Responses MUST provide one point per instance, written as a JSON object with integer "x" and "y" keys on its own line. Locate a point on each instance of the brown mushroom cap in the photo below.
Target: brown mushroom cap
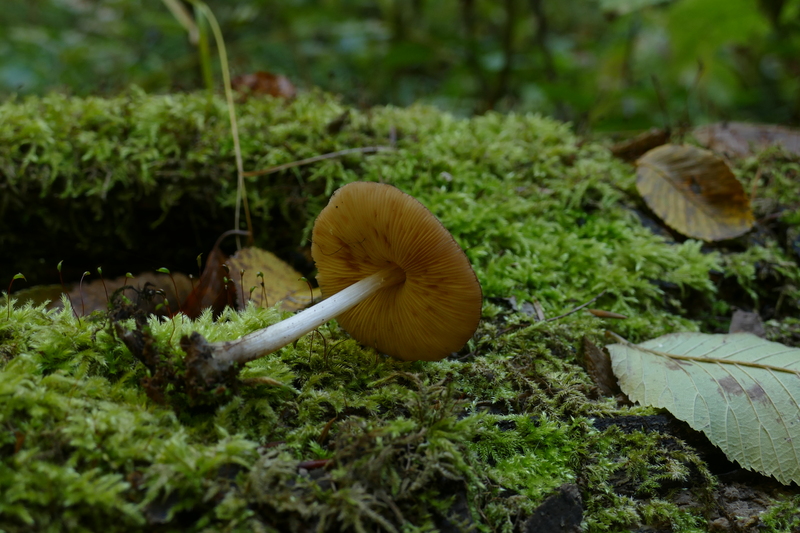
{"x": 367, "y": 227}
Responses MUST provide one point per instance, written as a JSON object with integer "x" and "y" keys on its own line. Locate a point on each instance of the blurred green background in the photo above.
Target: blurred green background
{"x": 605, "y": 65}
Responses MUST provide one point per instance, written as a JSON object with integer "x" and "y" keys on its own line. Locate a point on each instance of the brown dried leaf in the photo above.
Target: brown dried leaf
{"x": 281, "y": 281}
{"x": 631, "y": 149}
{"x": 740, "y": 139}
{"x": 264, "y": 83}
{"x": 694, "y": 192}
{"x": 212, "y": 290}
{"x": 747, "y": 322}
{"x": 598, "y": 365}
{"x": 91, "y": 296}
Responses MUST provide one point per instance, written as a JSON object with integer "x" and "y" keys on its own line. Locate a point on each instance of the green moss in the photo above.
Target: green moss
{"x": 783, "y": 516}
{"x": 474, "y": 442}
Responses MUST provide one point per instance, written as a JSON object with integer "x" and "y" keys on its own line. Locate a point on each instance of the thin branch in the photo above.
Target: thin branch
{"x": 308, "y": 161}
{"x": 577, "y": 308}
{"x": 540, "y": 313}
{"x": 754, "y": 187}
{"x": 662, "y": 101}
{"x": 627, "y": 57}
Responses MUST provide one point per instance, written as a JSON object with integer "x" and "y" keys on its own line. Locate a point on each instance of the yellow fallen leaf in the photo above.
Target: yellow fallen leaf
{"x": 694, "y": 192}
{"x": 281, "y": 281}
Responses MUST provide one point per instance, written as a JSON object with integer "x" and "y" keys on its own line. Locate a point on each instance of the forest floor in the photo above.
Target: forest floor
{"x": 515, "y": 432}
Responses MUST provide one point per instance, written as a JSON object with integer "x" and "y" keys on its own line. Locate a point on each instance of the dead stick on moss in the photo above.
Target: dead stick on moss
{"x": 754, "y": 187}
{"x": 540, "y": 316}
{"x": 308, "y": 161}
{"x": 576, "y": 309}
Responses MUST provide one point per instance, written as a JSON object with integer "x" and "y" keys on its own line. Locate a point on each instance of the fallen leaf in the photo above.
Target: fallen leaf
{"x": 694, "y": 192}
{"x": 94, "y": 292}
{"x": 738, "y": 389}
{"x": 598, "y": 365}
{"x": 212, "y": 290}
{"x": 632, "y": 149}
{"x": 747, "y": 322}
{"x": 740, "y": 139}
{"x": 264, "y": 83}
{"x": 281, "y": 282}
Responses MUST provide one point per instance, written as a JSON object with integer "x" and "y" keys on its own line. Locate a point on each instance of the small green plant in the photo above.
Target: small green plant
{"x": 64, "y": 289}
{"x": 171, "y": 316}
{"x": 100, "y": 273}
{"x": 80, "y": 291}
{"x": 260, "y": 275}
{"x": 241, "y": 285}
{"x": 164, "y": 270}
{"x": 310, "y": 290}
{"x": 225, "y": 281}
{"x": 8, "y": 292}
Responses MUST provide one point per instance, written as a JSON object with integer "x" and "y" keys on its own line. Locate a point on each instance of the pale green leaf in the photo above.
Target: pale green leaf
{"x": 740, "y": 390}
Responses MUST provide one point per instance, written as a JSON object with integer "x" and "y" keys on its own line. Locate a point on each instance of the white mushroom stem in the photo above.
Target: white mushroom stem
{"x": 276, "y": 336}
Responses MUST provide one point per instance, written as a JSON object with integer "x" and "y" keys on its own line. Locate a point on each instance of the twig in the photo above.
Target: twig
{"x": 308, "y": 161}
{"x": 576, "y": 309}
{"x": 662, "y": 101}
{"x": 540, "y": 313}
{"x": 754, "y": 187}
{"x": 778, "y": 214}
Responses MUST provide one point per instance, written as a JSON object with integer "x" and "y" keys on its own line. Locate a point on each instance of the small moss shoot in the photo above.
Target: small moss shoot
{"x": 330, "y": 435}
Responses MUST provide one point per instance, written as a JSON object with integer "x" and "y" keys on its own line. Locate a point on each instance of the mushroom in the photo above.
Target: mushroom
{"x": 393, "y": 277}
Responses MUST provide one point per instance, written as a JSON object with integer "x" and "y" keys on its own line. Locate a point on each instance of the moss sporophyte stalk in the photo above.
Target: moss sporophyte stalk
{"x": 475, "y": 441}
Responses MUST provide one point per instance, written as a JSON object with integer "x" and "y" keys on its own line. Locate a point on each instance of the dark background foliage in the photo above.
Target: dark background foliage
{"x": 610, "y": 65}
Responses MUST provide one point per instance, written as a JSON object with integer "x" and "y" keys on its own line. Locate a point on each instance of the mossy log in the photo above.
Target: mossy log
{"x": 327, "y": 435}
